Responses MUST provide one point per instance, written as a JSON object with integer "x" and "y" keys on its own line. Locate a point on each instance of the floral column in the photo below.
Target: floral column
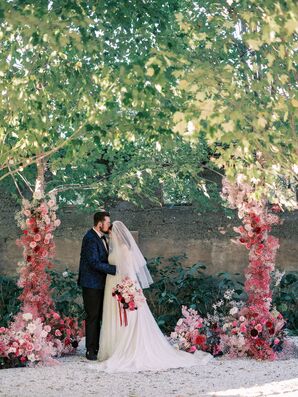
{"x": 257, "y": 324}
{"x": 38, "y": 332}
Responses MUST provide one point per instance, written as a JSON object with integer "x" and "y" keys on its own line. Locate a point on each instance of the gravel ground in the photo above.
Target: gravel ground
{"x": 74, "y": 376}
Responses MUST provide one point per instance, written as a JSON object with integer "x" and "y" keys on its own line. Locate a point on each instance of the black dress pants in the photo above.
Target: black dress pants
{"x": 93, "y": 303}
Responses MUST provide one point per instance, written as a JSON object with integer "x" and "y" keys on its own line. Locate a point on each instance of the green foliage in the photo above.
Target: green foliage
{"x": 102, "y": 90}
{"x": 176, "y": 285}
{"x": 78, "y": 93}
{"x": 66, "y": 294}
{"x": 285, "y": 298}
{"x": 235, "y": 68}
{"x": 9, "y": 303}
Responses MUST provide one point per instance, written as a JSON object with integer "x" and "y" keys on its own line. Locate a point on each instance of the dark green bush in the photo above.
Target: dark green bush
{"x": 285, "y": 297}
{"x": 9, "y": 303}
{"x": 66, "y": 294}
{"x": 174, "y": 285}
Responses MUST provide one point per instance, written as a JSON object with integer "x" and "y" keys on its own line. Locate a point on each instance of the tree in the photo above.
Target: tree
{"x": 77, "y": 95}
{"x": 238, "y": 80}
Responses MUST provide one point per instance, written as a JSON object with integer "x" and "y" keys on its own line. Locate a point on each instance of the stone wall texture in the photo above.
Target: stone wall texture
{"x": 160, "y": 231}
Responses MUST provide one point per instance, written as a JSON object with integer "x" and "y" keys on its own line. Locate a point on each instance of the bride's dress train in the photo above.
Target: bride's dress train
{"x": 141, "y": 345}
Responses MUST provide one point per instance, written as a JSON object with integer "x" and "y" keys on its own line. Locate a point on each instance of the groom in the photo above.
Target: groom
{"x": 94, "y": 267}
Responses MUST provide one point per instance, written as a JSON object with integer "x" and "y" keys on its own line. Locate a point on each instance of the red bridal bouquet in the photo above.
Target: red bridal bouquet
{"x": 128, "y": 296}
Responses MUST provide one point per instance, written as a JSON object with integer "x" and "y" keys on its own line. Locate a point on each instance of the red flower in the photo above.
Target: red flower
{"x": 254, "y": 333}
{"x": 269, "y": 324}
{"x": 200, "y": 340}
{"x": 25, "y": 231}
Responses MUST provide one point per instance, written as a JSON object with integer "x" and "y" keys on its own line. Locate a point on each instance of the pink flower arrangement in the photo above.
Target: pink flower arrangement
{"x": 189, "y": 334}
{"x": 45, "y": 332}
{"x": 128, "y": 296}
{"x": 262, "y": 324}
{"x": 253, "y": 329}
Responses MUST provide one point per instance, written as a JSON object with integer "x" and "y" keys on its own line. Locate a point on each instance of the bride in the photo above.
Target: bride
{"x": 140, "y": 345}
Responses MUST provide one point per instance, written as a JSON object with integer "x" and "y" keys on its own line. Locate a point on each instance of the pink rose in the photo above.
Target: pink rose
{"x": 58, "y": 332}
{"x": 2, "y": 330}
{"x": 192, "y": 349}
{"x": 57, "y": 222}
{"x": 37, "y": 346}
{"x": 259, "y": 327}
{"x": 243, "y": 328}
{"x": 29, "y": 346}
{"x": 51, "y": 203}
{"x": 37, "y": 237}
{"x": 56, "y": 316}
{"x": 33, "y": 244}
{"x": 47, "y": 328}
{"x": 276, "y": 341}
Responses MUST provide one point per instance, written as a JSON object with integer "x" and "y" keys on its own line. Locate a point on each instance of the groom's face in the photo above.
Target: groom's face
{"x": 105, "y": 224}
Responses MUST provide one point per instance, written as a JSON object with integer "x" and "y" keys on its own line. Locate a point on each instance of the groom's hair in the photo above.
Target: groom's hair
{"x": 100, "y": 217}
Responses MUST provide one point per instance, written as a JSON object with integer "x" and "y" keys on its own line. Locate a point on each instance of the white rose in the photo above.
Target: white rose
{"x": 31, "y": 327}
{"x": 234, "y": 311}
{"x": 12, "y": 350}
{"x": 27, "y": 316}
{"x": 65, "y": 274}
{"x": 31, "y": 357}
{"x": 44, "y": 334}
{"x": 180, "y": 321}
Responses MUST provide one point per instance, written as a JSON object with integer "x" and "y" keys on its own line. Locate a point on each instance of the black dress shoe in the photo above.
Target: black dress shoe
{"x": 91, "y": 356}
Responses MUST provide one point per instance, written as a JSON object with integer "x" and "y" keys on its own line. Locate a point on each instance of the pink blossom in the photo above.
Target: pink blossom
{"x": 47, "y": 328}
{"x": 29, "y": 346}
{"x": 57, "y": 222}
{"x": 51, "y": 203}
{"x": 37, "y": 237}
{"x": 58, "y": 333}
{"x": 33, "y": 244}
{"x": 192, "y": 349}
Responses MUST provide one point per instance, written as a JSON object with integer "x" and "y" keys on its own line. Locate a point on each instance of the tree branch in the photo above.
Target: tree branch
{"x": 38, "y": 157}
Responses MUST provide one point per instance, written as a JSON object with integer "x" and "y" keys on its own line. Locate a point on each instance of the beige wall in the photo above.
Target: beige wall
{"x": 160, "y": 232}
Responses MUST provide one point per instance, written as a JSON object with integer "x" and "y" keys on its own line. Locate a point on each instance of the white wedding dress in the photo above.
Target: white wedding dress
{"x": 139, "y": 346}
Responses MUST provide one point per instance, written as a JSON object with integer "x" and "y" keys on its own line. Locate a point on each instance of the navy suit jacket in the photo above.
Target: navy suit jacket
{"x": 94, "y": 265}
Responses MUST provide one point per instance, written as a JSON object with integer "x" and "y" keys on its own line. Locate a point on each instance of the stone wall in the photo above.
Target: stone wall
{"x": 160, "y": 232}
